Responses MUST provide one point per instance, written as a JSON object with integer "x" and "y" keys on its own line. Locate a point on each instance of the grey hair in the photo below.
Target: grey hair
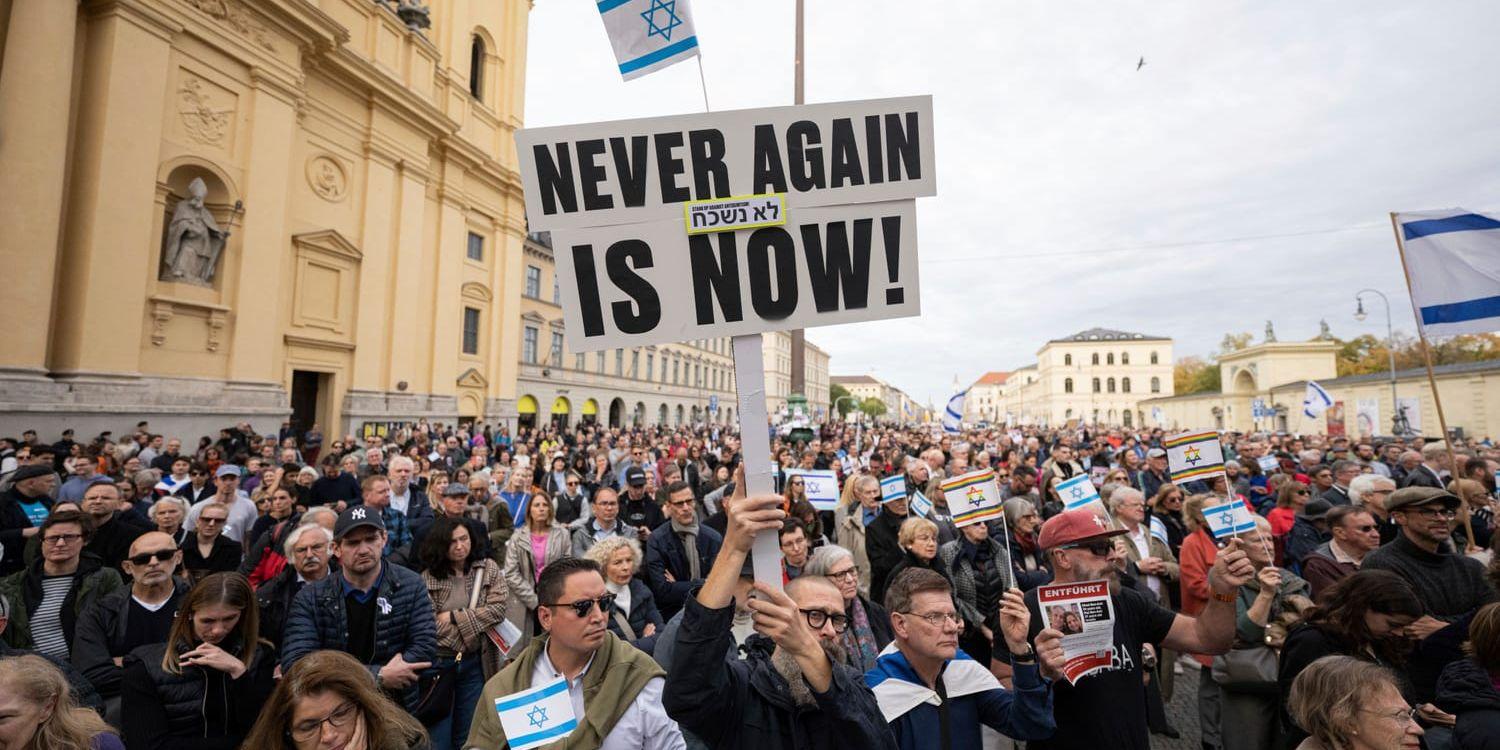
{"x": 1017, "y": 507}
{"x": 312, "y": 514}
{"x": 822, "y": 560}
{"x": 1365, "y": 483}
{"x": 397, "y": 459}
{"x": 179, "y": 502}
{"x": 4, "y": 607}
{"x": 291, "y": 539}
{"x": 1311, "y": 454}
{"x": 1121, "y": 494}
{"x": 147, "y": 477}
{"x": 605, "y": 548}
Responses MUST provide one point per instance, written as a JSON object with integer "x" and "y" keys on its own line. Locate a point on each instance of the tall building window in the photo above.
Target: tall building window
{"x": 650, "y": 366}
{"x": 580, "y": 361}
{"x": 676, "y": 371}
{"x": 1096, "y": 358}
{"x": 557, "y": 339}
{"x": 1096, "y": 385}
{"x": 528, "y": 345}
{"x": 476, "y": 246}
{"x": 476, "y": 68}
{"x": 635, "y": 363}
{"x": 1109, "y": 359}
{"x": 556, "y": 291}
{"x": 533, "y": 282}
{"x": 1156, "y": 385}
{"x": 1110, "y": 385}
{"x": 599, "y": 363}
{"x": 471, "y": 330}
{"x": 619, "y": 361}
{"x": 1125, "y": 385}
{"x": 1067, "y": 385}
{"x": 1067, "y": 360}
{"x": 1124, "y": 358}
{"x": 1153, "y": 358}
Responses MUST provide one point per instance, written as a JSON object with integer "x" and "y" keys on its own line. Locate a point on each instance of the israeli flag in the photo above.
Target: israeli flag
{"x": 648, "y": 35}
{"x": 1229, "y": 519}
{"x": 1453, "y": 263}
{"x": 1316, "y": 401}
{"x": 953, "y": 415}
{"x": 893, "y": 487}
{"x": 1078, "y": 492}
{"x": 536, "y": 717}
{"x": 920, "y": 505}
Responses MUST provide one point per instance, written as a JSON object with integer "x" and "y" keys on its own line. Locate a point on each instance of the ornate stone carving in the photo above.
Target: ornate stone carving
{"x": 194, "y": 242}
{"x": 1270, "y": 333}
{"x": 327, "y": 178}
{"x": 416, "y": 17}
{"x": 216, "y": 320}
{"x": 161, "y": 314}
{"x": 234, "y": 15}
{"x": 202, "y": 117}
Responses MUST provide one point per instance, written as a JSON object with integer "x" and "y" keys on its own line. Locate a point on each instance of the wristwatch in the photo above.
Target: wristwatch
{"x": 1026, "y": 657}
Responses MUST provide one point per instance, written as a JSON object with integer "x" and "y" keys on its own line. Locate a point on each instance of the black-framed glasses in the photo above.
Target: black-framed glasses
{"x": 1447, "y": 513}
{"x": 817, "y": 618}
{"x": 1097, "y": 548}
{"x": 851, "y": 574}
{"x": 59, "y": 539}
{"x": 145, "y": 558}
{"x": 583, "y": 607}
{"x": 310, "y": 728}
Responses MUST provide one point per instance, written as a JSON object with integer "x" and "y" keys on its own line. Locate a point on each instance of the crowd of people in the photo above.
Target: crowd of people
{"x": 398, "y": 590}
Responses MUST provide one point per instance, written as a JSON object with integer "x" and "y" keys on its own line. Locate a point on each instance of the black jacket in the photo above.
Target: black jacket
{"x": 112, "y": 541}
{"x": 186, "y": 492}
{"x": 665, "y": 554}
{"x": 733, "y": 704}
{"x": 883, "y": 550}
{"x": 101, "y": 637}
{"x": 13, "y": 524}
{"x": 223, "y": 557}
{"x": 643, "y": 612}
{"x": 274, "y": 600}
{"x": 83, "y": 693}
{"x": 199, "y": 709}
{"x": 1466, "y": 691}
{"x": 908, "y": 560}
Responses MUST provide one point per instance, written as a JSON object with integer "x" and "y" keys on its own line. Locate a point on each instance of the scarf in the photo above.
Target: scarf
{"x": 859, "y": 639}
{"x": 689, "y": 537}
{"x": 614, "y": 679}
{"x": 1027, "y": 543}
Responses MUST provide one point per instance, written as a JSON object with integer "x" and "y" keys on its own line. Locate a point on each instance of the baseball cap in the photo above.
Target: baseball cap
{"x": 635, "y": 477}
{"x": 30, "y": 471}
{"x": 1414, "y": 496}
{"x": 227, "y": 470}
{"x": 455, "y": 489}
{"x": 1072, "y": 526}
{"x": 1156, "y": 453}
{"x": 355, "y": 517}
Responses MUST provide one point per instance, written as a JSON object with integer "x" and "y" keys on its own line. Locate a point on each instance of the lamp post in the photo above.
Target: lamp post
{"x": 1398, "y": 420}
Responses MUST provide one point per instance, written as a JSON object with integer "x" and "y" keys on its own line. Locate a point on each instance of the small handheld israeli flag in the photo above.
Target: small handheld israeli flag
{"x": 1229, "y": 519}
{"x": 920, "y": 505}
{"x": 648, "y": 35}
{"x": 536, "y": 717}
{"x": 893, "y": 487}
{"x": 1077, "y": 492}
{"x": 1316, "y": 401}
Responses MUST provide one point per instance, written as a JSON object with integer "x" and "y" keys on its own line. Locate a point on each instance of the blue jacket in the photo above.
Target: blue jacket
{"x": 664, "y": 553}
{"x": 975, "y": 697}
{"x": 408, "y": 626}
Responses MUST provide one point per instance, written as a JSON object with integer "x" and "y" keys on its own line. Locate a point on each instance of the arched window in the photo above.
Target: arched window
{"x": 1096, "y": 385}
{"x": 1156, "y": 385}
{"x": 1124, "y": 358}
{"x": 1111, "y": 385}
{"x": 1067, "y": 385}
{"x": 1125, "y": 417}
{"x": 1067, "y": 360}
{"x": 476, "y": 67}
{"x": 1153, "y": 358}
{"x": 1109, "y": 358}
{"x": 1125, "y": 385}
{"x": 1096, "y": 358}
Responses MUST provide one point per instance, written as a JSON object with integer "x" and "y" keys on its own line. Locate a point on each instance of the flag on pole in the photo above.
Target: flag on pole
{"x": 1231, "y": 518}
{"x": 973, "y": 497}
{"x": 1452, "y": 261}
{"x": 1192, "y": 456}
{"x": 1316, "y": 401}
{"x": 953, "y": 415}
{"x": 536, "y": 717}
{"x": 1078, "y": 492}
{"x": 648, "y": 35}
{"x": 892, "y": 488}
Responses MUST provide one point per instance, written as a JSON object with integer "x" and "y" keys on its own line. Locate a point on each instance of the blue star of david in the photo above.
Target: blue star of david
{"x": 655, "y": 29}
{"x": 537, "y": 715}
{"x": 1227, "y": 519}
{"x": 1077, "y": 493}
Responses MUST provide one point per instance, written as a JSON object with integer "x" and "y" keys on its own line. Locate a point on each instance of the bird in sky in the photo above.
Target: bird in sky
{"x": 1140, "y": 64}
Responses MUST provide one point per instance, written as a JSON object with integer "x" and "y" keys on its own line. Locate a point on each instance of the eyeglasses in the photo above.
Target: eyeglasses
{"x": 309, "y": 729}
{"x": 851, "y": 574}
{"x": 145, "y": 558}
{"x": 195, "y": 473}
{"x": 1365, "y": 529}
{"x": 583, "y": 607}
{"x": 1100, "y": 548}
{"x": 1403, "y": 717}
{"x": 938, "y": 619}
{"x": 1447, "y": 513}
{"x": 817, "y": 618}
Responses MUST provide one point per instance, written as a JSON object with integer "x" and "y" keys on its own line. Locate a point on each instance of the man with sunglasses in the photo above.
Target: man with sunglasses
{"x": 127, "y": 618}
{"x": 1107, "y": 708}
{"x": 615, "y": 688}
{"x": 1355, "y": 535}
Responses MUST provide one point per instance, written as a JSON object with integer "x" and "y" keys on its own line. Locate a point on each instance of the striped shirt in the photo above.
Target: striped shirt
{"x": 46, "y": 625}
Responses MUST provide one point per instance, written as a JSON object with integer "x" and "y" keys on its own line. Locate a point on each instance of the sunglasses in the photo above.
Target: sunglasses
{"x": 145, "y": 558}
{"x": 583, "y": 607}
{"x": 1100, "y": 548}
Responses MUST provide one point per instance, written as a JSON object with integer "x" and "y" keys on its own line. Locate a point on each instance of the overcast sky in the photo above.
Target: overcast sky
{"x": 1244, "y": 174}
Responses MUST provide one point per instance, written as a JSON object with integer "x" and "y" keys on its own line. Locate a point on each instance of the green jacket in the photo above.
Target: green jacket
{"x": 23, "y": 589}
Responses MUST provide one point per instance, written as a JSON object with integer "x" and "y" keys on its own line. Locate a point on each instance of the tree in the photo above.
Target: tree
{"x": 872, "y": 407}
{"x": 1195, "y": 375}
{"x": 1234, "y": 342}
{"x": 1367, "y": 354}
{"x": 836, "y": 392}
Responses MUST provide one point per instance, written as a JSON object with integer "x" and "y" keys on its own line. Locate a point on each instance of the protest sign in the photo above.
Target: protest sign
{"x": 1194, "y": 456}
{"x": 1229, "y": 519}
{"x": 972, "y": 497}
{"x": 537, "y": 717}
{"x": 821, "y": 486}
{"x": 1083, "y": 613}
{"x": 920, "y": 505}
{"x": 1078, "y": 492}
{"x": 1268, "y": 464}
{"x": 892, "y": 488}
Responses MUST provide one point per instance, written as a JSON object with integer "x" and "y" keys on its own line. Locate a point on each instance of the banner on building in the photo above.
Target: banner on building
{"x": 1335, "y": 416}
{"x": 1411, "y": 408}
{"x": 1367, "y": 416}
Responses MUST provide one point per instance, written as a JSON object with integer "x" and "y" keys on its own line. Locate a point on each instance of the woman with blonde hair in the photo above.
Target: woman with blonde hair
{"x": 329, "y": 700}
{"x": 1346, "y": 703}
{"x": 859, "y": 506}
{"x": 37, "y": 710}
{"x": 634, "y": 616}
{"x": 538, "y": 540}
{"x": 203, "y": 687}
{"x": 918, "y": 539}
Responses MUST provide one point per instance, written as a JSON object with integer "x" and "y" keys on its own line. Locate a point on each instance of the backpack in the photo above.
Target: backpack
{"x": 272, "y": 562}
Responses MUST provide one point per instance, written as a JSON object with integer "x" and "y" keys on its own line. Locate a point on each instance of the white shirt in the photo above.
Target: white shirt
{"x": 242, "y": 515}
{"x": 1141, "y": 538}
{"x": 643, "y": 726}
{"x": 400, "y": 503}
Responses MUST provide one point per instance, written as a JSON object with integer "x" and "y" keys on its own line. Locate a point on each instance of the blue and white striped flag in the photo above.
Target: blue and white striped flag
{"x": 648, "y": 35}
{"x": 953, "y": 415}
{"x": 1316, "y": 401}
{"x": 1078, "y": 492}
{"x": 1453, "y": 264}
{"x": 536, "y": 717}
{"x": 920, "y": 505}
{"x": 1229, "y": 519}
{"x": 893, "y": 487}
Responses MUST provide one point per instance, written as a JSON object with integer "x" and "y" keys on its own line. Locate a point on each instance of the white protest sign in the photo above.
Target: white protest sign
{"x": 1085, "y": 616}
{"x": 821, "y": 486}
{"x": 1268, "y": 464}
{"x": 632, "y": 171}
{"x": 652, "y": 283}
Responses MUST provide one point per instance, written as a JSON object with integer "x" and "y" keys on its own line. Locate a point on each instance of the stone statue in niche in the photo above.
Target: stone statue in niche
{"x": 194, "y": 242}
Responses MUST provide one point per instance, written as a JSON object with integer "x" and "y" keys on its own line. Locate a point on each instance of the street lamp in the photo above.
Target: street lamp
{"x": 1398, "y": 420}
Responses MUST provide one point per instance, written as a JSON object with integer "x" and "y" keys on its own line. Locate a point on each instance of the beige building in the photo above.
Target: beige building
{"x": 668, "y": 384}
{"x": 776, "y": 349}
{"x": 985, "y": 398}
{"x": 899, "y": 406}
{"x": 1098, "y": 376}
{"x": 225, "y": 210}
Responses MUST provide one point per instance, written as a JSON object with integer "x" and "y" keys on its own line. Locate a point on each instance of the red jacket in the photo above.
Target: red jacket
{"x": 1195, "y": 558}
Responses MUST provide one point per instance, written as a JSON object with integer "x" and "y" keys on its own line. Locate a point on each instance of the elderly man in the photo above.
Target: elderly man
{"x": 1151, "y": 555}
{"x": 1369, "y": 492}
{"x": 307, "y": 551}
{"x": 1434, "y": 469}
{"x": 406, "y": 498}
{"x": 1151, "y": 478}
{"x": 1354, "y": 536}
{"x": 164, "y": 460}
{"x": 242, "y": 511}
{"x": 605, "y": 522}
{"x": 114, "y": 532}
{"x": 23, "y": 508}
{"x": 1343, "y": 473}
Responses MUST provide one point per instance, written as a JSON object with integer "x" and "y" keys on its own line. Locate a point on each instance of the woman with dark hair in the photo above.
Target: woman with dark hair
{"x": 1364, "y": 616}
{"x": 202, "y": 689}
{"x": 1289, "y": 501}
{"x": 1166, "y": 507}
{"x": 328, "y": 701}
{"x": 468, "y": 598}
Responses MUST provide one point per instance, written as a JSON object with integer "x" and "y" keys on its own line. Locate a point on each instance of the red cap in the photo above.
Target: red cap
{"x": 1072, "y": 526}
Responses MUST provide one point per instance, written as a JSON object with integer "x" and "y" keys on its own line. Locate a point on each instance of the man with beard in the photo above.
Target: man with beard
{"x": 1107, "y": 708}
{"x": 795, "y": 691}
{"x": 615, "y": 688}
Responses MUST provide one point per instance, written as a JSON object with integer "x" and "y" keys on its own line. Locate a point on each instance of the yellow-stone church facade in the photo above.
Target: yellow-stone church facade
{"x": 242, "y": 210}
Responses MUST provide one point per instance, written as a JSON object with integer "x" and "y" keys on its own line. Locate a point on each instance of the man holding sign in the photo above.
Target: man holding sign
{"x": 1106, "y": 707}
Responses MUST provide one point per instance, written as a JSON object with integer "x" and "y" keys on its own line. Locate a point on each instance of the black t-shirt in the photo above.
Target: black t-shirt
{"x": 142, "y": 626}
{"x": 360, "y": 617}
{"x": 1108, "y": 708}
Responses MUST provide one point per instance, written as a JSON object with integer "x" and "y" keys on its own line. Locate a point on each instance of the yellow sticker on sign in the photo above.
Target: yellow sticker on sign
{"x": 734, "y": 212}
